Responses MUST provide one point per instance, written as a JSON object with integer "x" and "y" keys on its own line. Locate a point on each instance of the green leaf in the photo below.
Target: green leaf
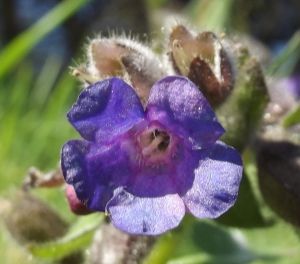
{"x": 54, "y": 111}
{"x": 15, "y": 106}
{"x": 46, "y": 80}
{"x": 206, "y": 259}
{"x": 218, "y": 241}
{"x": 280, "y": 241}
{"x": 284, "y": 64}
{"x": 17, "y": 49}
{"x": 80, "y": 236}
{"x": 215, "y": 244}
{"x": 292, "y": 118}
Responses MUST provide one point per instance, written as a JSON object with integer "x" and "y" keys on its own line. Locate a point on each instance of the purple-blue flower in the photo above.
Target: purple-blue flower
{"x": 146, "y": 168}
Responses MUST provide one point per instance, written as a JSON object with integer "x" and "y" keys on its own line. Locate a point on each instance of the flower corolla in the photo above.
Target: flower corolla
{"x": 145, "y": 168}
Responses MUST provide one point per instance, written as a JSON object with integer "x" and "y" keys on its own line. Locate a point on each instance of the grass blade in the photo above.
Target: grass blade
{"x": 24, "y": 42}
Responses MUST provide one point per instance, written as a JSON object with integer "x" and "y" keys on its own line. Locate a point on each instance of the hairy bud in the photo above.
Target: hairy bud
{"x": 242, "y": 113}
{"x": 30, "y": 220}
{"x": 204, "y": 61}
{"x": 278, "y": 166}
{"x": 124, "y": 58}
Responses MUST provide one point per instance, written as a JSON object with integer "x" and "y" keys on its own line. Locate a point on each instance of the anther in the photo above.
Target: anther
{"x": 147, "y": 151}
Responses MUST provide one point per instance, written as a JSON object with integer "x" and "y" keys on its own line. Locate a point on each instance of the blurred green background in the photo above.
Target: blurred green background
{"x": 39, "y": 40}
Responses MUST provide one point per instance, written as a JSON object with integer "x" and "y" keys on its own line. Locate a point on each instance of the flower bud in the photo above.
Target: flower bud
{"x": 124, "y": 58}
{"x": 242, "y": 113}
{"x": 76, "y": 206}
{"x": 204, "y": 61}
{"x": 30, "y": 220}
{"x": 143, "y": 73}
{"x": 104, "y": 57}
{"x": 279, "y": 180}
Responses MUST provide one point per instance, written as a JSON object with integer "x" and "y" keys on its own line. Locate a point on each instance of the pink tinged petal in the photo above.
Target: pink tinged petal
{"x": 179, "y": 106}
{"x": 76, "y": 206}
{"x": 174, "y": 174}
{"x": 145, "y": 215}
{"x": 105, "y": 110}
{"x": 94, "y": 171}
{"x": 216, "y": 182}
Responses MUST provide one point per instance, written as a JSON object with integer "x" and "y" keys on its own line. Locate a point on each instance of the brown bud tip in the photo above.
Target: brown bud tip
{"x": 76, "y": 206}
{"x": 105, "y": 58}
{"x": 37, "y": 179}
{"x": 204, "y": 61}
{"x": 125, "y": 58}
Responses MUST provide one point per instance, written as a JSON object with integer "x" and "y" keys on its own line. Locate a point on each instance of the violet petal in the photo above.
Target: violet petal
{"x": 94, "y": 171}
{"x": 179, "y": 106}
{"x": 216, "y": 182}
{"x": 75, "y": 205}
{"x": 143, "y": 215}
{"x": 106, "y": 109}
{"x": 173, "y": 175}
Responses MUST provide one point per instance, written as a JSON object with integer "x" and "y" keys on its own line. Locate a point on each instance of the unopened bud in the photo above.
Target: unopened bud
{"x": 242, "y": 112}
{"x": 76, "y": 206}
{"x": 204, "y": 61}
{"x": 105, "y": 56}
{"x": 124, "y": 58}
{"x": 279, "y": 179}
{"x": 30, "y": 220}
{"x": 143, "y": 73}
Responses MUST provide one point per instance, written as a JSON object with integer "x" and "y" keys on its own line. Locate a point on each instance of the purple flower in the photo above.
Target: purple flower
{"x": 146, "y": 168}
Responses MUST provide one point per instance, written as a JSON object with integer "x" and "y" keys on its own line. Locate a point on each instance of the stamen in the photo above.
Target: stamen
{"x": 89, "y": 79}
{"x": 147, "y": 151}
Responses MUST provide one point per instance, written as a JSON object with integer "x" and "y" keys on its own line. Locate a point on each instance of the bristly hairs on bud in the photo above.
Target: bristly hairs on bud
{"x": 202, "y": 58}
{"x": 226, "y": 41}
{"x": 124, "y": 57}
{"x": 168, "y": 25}
{"x": 129, "y": 43}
